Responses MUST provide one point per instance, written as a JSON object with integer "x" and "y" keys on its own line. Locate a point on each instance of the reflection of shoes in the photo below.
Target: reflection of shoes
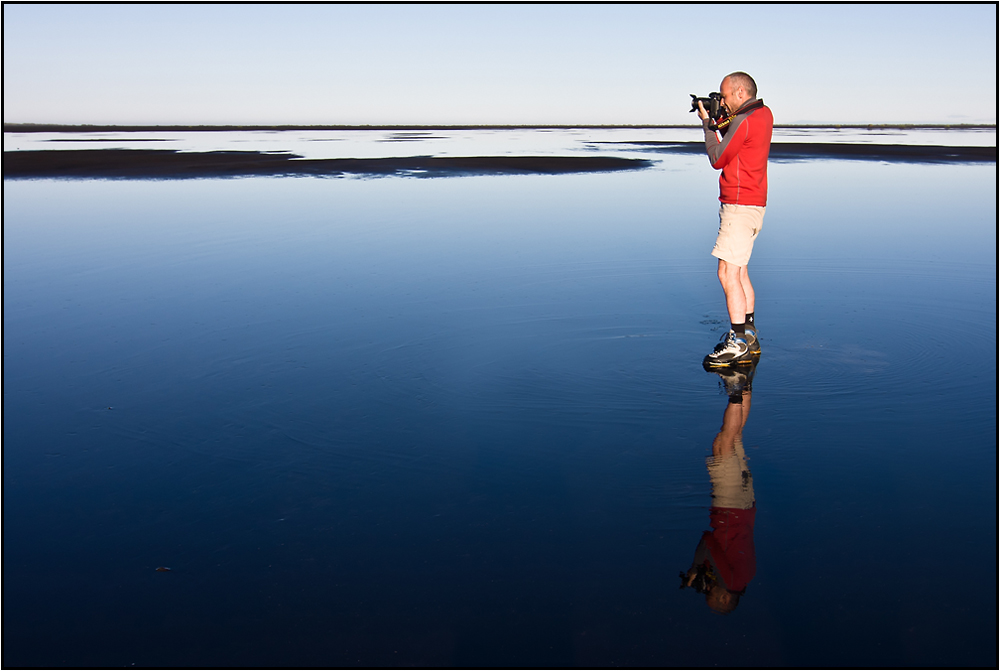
{"x": 745, "y": 365}
{"x": 753, "y": 338}
{"x": 735, "y": 381}
{"x": 733, "y": 349}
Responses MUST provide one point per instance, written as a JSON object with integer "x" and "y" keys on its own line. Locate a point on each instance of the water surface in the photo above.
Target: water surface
{"x": 464, "y": 422}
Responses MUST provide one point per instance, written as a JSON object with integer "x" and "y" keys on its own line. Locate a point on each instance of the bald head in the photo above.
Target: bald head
{"x": 721, "y": 600}
{"x": 738, "y": 79}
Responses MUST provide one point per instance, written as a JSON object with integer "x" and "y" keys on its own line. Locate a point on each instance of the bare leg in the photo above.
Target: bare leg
{"x": 733, "y": 421}
{"x": 747, "y": 289}
{"x": 731, "y": 276}
{"x": 746, "y": 408}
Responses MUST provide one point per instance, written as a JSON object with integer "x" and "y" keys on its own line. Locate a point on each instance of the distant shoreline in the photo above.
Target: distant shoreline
{"x": 94, "y": 128}
{"x": 800, "y": 151}
{"x": 171, "y": 164}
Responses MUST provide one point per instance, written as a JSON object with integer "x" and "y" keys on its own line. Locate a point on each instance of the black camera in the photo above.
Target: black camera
{"x": 703, "y": 582}
{"x": 713, "y": 105}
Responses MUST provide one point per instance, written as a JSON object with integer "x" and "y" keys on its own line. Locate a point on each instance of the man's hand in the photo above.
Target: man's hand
{"x": 701, "y": 111}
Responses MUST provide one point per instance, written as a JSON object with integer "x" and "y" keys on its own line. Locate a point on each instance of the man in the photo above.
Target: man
{"x": 741, "y": 154}
{"x": 725, "y": 560}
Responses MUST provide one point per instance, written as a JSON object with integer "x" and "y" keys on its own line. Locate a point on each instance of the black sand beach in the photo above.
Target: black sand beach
{"x": 795, "y": 151}
{"x": 170, "y": 164}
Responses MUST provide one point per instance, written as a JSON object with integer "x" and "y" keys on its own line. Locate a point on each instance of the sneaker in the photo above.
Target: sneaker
{"x": 733, "y": 349}
{"x": 734, "y": 380}
{"x": 753, "y": 338}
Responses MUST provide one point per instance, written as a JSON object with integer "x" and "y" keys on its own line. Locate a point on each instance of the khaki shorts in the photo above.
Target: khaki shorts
{"x": 738, "y": 228}
{"x": 732, "y": 483}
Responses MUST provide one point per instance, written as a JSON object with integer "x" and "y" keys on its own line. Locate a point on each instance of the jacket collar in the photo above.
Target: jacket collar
{"x": 746, "y": 105}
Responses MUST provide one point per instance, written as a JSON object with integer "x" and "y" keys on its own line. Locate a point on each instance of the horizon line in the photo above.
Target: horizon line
{"x": 58, "y": 127}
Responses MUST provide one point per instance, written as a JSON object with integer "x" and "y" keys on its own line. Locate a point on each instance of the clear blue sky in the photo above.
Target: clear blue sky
{"x": 485, "y": 64}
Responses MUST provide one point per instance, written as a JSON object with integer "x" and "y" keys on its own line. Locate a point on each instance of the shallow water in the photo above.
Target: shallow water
{"x": 463, "y": 421}
{"x": 472, "y": 142}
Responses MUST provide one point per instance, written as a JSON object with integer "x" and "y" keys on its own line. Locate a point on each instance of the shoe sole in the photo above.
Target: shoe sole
{"x": 747, "y": 359}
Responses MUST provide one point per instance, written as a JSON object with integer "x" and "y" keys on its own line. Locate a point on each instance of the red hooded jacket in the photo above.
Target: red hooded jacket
{"x": 742, "y": 156}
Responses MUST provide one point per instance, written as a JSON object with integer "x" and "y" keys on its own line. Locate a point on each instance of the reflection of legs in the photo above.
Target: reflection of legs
{"x": 733, "y": 421}
{"x": 732, "y": 424}
{"x": 746, "y": 407}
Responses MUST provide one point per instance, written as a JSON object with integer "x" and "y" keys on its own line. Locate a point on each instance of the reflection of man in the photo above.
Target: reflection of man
{"x": 724, "y": 562}
{"x": 742, "y": 156}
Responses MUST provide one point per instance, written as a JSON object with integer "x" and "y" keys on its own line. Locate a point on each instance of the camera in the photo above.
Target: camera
{"x": 713, "y": 105}
{"x": 704, "y": 579}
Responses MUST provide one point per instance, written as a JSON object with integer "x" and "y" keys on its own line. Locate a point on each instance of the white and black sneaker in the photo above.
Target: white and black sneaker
{"x": 734, "y": 348}
{"x": 734, "y": 380}
{"x": 753, "y": 338}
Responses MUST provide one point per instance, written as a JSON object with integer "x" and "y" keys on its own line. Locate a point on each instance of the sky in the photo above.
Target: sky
{"x": 493, "y": 64}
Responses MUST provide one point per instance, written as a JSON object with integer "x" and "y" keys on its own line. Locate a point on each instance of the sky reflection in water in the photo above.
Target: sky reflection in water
{"x": 464, "y": 421}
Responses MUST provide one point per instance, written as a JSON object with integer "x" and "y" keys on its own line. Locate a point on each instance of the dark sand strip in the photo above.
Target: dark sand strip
{"x": 109, "y": 128}
{"x": 799, "y": 151}
{"x": 109, "y": 139}
{"x": 170, "y": 164}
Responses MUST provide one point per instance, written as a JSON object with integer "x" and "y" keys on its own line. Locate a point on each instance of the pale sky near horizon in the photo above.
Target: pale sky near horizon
{"x": 493, "y": 64}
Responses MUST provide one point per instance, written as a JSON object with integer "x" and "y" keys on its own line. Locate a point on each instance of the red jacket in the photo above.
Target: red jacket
{"x": 728, "y": 547}
{"x": 742, "y": 156}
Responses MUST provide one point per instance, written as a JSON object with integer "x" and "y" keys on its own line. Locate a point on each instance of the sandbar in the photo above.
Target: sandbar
{"x": 172, "y": 164}
{"x": 800, "y": 151}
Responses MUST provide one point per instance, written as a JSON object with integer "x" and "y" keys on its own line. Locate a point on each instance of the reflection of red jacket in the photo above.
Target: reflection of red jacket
{"x": 729, "y": 546}
{"x": 742, "y": 156}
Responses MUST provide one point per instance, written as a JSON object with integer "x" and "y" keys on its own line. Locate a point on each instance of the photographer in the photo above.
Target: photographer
{"x": 741, "y": 154}
{"x": 725, "y": 560}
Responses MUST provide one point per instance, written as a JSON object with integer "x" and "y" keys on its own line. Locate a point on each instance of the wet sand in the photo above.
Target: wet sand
{"x": 796, "y": 151}
{"x": 170, "y": 164}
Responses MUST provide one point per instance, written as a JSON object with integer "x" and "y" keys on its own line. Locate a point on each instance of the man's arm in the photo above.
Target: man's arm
{"x": 700, "y": 556}
{"x": 720, "y": 153}
{"x": 712, "y": 145}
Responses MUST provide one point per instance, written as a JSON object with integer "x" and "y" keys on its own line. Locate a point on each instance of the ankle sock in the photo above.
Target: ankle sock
{"x": 740, "y": 329}
{"x": 749, "y": 320}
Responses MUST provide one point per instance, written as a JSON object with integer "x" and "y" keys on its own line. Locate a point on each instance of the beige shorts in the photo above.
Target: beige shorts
{"x": 732, "y": 483}
{"x": 738, "y": 228}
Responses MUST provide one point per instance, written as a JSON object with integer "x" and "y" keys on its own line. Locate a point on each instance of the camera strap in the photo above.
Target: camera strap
{"x": 723, "y": 123}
